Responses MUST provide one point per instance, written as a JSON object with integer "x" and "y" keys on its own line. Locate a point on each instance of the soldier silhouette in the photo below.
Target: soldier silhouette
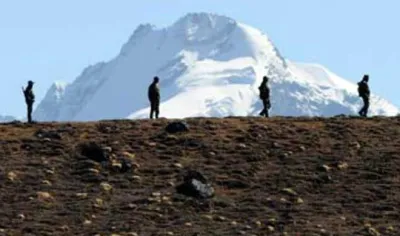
{"x": 364, "y": 93}
{"x": 29, "y": 99}
{"x": 154, "y": 98}
{"x": 265, "y": 97}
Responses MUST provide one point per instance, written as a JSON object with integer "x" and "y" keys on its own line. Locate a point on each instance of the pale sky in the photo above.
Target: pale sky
{"x": 47, "y": 40}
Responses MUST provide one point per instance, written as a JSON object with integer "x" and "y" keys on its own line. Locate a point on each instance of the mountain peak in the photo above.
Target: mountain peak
{"x": 204, "y": 18}
{"x": 210, "y": 66}
{"x": 198, "y": 27}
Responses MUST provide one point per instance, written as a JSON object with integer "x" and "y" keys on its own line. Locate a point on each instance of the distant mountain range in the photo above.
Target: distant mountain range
{"x": 6, "y": 118}
{"x": 209, "y": 65}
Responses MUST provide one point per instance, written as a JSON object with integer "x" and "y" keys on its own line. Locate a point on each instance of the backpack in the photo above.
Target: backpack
{"x": 360, "y": 90}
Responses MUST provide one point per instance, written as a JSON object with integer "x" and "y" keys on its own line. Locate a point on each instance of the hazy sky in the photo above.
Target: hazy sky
{"x": 47, "y": 40}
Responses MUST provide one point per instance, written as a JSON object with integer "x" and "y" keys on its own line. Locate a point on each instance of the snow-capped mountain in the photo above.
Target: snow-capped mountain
{"x": 49, "y": 107}
{"x": 6, "y": 118}
{"x": 209, "y": 65}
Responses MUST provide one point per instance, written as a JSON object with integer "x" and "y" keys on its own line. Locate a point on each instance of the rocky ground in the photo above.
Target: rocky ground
{"x": 279, "y": 176}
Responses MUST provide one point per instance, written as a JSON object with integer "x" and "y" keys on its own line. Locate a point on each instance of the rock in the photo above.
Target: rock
{"x": 258, "y": 223}
{"x": 356, "y": 145}
{"x": 188, "y": 224}
{"x": 12, "y": 176}
{"x": 21, "y": 216}
{"x": 128, "y": 155}
{"x": 106, "y": 186}
{"x": 170, "y": 233}
{"x": 325, "y": 168}
{"x": 299, "y": 201}
{"x": 342, "y": 165}
{"x": 373, "y": 232}
{"x": 247, "y": 227}
{"x": 276, "y": 145}
{"x": 234, "y": 223}
{"x": 64, "y": 228}
{"x": 221, "y": 218}
{"x": 242, "y": 145}
{"x": 156, "y": 194}
{"x": 302, "y": 148}
{"x": 82, "y": 195}
{"x": 122, "y": 165}
{"x": 107, "y": 149}
{"x": 116, "y": 165}
{"x": 93, "y": 151}
{"x": 390, "y": 229}
{"x": 289, "y": 191}
{"x": 47, "y": 134}
{"x": 136, "y": 178}
{"x": 44, "y": 196}
{"x": 178, "y": 165}
{"x": 208, "y": 217}
{"x": 98, "y": 203}
{"x": 177, "y": 127}
{"x": 165, "y": 199}
{"x": 49, "y": 172}
{"x": 195, "y": 185}
{"x": 94, "y": 171}
{"x": 152, "y": 144}
{"x": 46, "y": 182}
{"x": 87, "y": 222}
{"x": 270, "y": 228}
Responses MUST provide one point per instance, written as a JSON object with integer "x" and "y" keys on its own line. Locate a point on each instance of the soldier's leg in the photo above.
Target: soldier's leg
{"x": 29, "y": 112}
{"x": 362, "y": 111}
{"x": 366, "y": 102}
{"x": 157, "y": 109}
{"x": 262, "y": 113}
{"x": 151, "y": 109}
{"x": 265, "y": 104}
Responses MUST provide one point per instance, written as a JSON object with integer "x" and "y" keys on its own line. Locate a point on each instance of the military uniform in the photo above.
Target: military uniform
{"x": 364, "y": 93}
{"x": 29, "y": 100}
{"x": 265, "y": 98}
{"x": 154, "y": 97}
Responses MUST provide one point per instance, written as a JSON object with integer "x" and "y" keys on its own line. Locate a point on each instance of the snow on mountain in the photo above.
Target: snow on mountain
{"x": 4, "y": 119}
{"x": 50, "y": 105}
{"x": 209, "y": 65}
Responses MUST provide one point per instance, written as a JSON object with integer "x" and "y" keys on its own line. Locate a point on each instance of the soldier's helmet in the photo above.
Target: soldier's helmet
{"x": 30, "y": 82}
{"x": 265, "y": 78}
{"x": 365, "y": 78}
{"x": 156, "y": 79}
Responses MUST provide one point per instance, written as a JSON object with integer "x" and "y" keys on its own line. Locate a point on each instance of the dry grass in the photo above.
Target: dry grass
{"x": 299, "y": 176}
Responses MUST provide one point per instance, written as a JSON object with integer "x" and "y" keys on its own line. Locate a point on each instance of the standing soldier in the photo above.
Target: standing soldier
{"x": 364, "y": 93}
{"x": 29, "y": 99}
{"x": 154, "y": 97}
{"x": 264, "y": 96}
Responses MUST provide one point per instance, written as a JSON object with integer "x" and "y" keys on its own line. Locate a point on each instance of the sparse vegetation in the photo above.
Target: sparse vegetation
{"x": 299, "y": 176}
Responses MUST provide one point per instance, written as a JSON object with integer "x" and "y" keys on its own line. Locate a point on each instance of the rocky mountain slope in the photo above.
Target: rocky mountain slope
{"x": 210, "y": 66}
{"x": 279, "y": 176}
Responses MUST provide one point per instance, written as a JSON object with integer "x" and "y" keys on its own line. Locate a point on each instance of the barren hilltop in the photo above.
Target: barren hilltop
{"x": 278, "y": 176}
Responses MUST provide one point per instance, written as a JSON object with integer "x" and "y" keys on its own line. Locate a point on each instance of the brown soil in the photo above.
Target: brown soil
{"x": 279, "y": 176}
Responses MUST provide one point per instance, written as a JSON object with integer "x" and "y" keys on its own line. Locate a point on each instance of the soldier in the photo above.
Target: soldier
{"x": 29, "y": 99}
{"x": 364, "y": 93}
{"x": 154, "y": 97}
{"x": 264, "y": 96}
